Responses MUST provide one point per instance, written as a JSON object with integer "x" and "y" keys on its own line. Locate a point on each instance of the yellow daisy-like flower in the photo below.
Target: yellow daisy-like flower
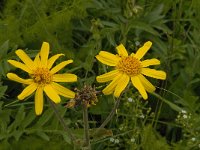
{"x": 43, "y": 77}
{"x": 129, "y": 67}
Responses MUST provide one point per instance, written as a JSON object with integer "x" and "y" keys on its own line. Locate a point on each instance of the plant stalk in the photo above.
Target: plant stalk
{"x": 109, "y": 116}
{"x": 86, "y": 145}
{"x": 66, "y": 128}
{"x": 172, "y": 105}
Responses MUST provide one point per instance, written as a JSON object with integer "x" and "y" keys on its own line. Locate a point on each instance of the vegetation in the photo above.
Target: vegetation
{"x": 80, "y": 29}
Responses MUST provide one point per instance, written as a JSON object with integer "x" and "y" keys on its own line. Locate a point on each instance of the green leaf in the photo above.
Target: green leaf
{"x": 103, "y": 106}
{"x": 65, "y": 137}
{"x": 17, "y": 134}
{"x": 89, "y": 62}
{"x": 55, "y": 124}
{"x": 4, "y": 49}
{"x": 149, "y": 138}
{"x": 5, "y": 145}
{"x": 4, "y": 67}
{"x": 2, "y": 91}
{"x": 4, "y": 118}
{"x": 111, "y": 37}
{"x": 43, "y": 135}
{"x": 90, "y": 51}
{"x": 110, "y": 24}
{"x": 18, "y": 119}
{"x": 135, "y": 24}
{"x": 28, "y": 119}
{"x": 172, "y": 105}
{"x": 45, "y": 117}
{"x": 155, "y": 14}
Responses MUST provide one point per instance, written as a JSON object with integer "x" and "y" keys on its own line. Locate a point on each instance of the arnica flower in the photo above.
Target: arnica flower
{"x": 43, "y": 77}
{"x": 129, "y": 67}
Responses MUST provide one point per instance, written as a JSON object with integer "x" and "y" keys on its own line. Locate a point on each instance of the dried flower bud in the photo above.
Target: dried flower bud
{"x": 85, "y": 96}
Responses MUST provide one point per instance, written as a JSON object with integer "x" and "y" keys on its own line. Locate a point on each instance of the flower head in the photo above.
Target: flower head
{"x": 85, "y": 96}
{"x": 129, "y": 67}
{"x": 43, "y": 77}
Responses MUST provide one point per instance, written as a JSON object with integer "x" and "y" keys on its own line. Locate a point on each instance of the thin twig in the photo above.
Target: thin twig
{"x": 109, "y": 116}
{"x": 66, "y": 128}
{"x": 86, "y": 128}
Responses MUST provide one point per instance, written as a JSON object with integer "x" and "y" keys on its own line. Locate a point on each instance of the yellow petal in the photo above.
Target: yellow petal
{"x": 107, "y": 76}
{"x": 150, "y": 62}
{"x": 154, "y": 73}
{"x": 108, "y": 58}
{"x": 123, "y": 82}
{"x": 20, "y": 65}
{"x": 25, "y": 58}
{"x": 111, "y": 87}
{"x": 44, "y": 53}
{"x": 67, "y": 77}
{"x": 27, "y": 91}
{"x": 51, "y": 93}
{"x": 121, "y": 50}
{"x": 147, "y": 85}
{"x": 37, "y": 61}
{"x": 143, "y": 50}
{"x": 63, "y": 91}
{"x": 138, "y": 85}
{"x": 16, "y": 78}
{"x": 53, "y": 59}
{"x": 60, "y": 66}
{"x": 39, "y": 100}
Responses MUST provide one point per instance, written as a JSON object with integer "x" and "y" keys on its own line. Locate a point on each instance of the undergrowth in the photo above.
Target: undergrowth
{"x": 80, "y": 29}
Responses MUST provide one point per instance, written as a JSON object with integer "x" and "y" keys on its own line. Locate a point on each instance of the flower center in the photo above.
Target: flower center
{"x": 42, "y": 76}
{"x": 129, "y": 65}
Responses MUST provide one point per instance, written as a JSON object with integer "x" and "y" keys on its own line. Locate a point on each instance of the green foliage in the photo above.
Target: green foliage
{"x": 151, "y": 140}
{"x": 31, "y": 22}
{"x": 4, "y": 67}
{"x": 35, "y": 143}
{"x": 80, "y": 29}
{"x": 22, "y": 124}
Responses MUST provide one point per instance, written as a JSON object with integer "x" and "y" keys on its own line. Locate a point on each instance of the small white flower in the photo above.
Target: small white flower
{"x": 133, "y": 140}
{"x": 185, "y": 116}
{"x": 116, "y": 141}
{"x": 130, "y": 99}
{"x": 137, "y": 43}
{"x": 141, "y": 116}
{"x": 112, "y": 139}
{"x": 193, "y": 139}
{"x": 183, "y": 111}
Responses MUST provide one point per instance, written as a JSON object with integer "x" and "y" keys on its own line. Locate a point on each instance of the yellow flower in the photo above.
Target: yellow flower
{"x": 129, "y": 67}
{"x": 43, "y": 77}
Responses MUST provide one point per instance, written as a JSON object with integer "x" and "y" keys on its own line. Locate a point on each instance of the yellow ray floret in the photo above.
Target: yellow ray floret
{"x": 129, "y": 67}
{"x": 43, "y": 77}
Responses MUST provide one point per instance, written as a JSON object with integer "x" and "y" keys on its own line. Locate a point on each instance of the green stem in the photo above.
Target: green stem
{"x": 86, "y": 128}
{"x": 66, "y": 128}
{"x": 172, "y": 105}
{"x": 157, "y": 113}
{"x": 11, "y": 103}
{"x": 109, "y": 116}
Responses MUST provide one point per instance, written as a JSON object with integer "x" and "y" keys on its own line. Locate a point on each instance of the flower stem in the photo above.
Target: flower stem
{"x": 86, "y": 145}
{"x": 109, "y": 117}
{"x": 172, "y": 105}
{"x": 66, "y": 128}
